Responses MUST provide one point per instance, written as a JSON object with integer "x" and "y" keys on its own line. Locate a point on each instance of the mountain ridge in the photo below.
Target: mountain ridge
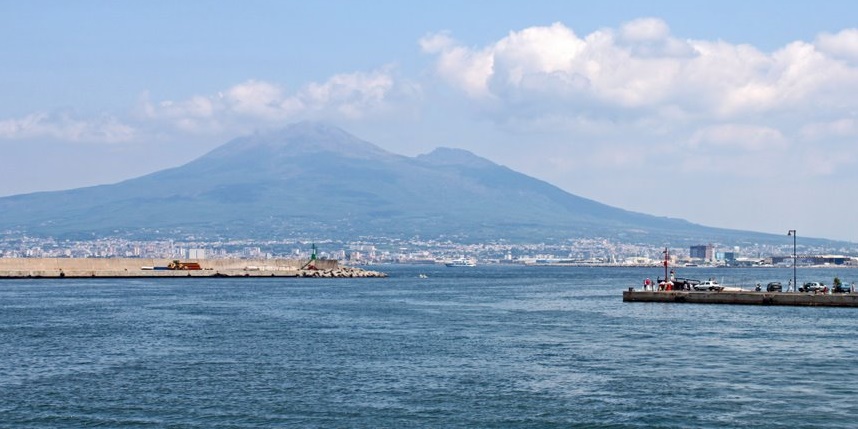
{"x": 316, "y": 179}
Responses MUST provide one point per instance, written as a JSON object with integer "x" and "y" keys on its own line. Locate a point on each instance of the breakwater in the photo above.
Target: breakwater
{"x": 744, "y": 298}
{"x": 19, "y": 268}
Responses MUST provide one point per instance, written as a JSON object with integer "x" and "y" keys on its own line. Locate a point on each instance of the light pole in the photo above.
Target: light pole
{"x": 794, "y": 283}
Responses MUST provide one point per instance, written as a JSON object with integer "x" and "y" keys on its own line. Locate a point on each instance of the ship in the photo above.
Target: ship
{"x": 461, "y": 262}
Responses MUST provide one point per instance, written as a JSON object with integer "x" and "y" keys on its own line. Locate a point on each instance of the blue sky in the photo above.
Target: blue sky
{"x": 729, "y": 114}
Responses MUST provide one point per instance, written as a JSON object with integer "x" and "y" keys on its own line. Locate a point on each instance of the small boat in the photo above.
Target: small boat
{"x": 461, "y": 262}
{"x": 423, "y": 276}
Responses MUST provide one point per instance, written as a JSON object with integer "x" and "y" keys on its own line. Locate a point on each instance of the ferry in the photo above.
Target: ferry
{"x": 461, "y": 262}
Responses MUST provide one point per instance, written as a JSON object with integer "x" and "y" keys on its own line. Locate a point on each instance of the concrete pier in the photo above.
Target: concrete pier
{"x": 744, "y": 298}
{"x": 24, "y": 268}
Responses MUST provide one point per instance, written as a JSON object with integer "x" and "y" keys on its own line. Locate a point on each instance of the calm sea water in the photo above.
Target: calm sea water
{"x": 484, "y": 347}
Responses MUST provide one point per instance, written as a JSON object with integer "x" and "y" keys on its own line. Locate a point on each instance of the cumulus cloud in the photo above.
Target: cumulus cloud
{"x": 348, "y": 95}
{"x": 843, "y": 44}
{"x": 255, "y": 99}
{"x": 679, "y": 97}
{"x": 645, "y": 29}
{"x": 467, "y": 69}
{"x": 352, "y": 95}
{"x": 66, "y": 126}
{"x": 642, "y": 65}
{"x": 236, "y": 109}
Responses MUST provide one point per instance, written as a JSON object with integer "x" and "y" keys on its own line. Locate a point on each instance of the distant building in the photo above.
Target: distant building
{"x": 725, "y": 256}
{"x": 705, "y": 252}
{"x": 196, "y": 253}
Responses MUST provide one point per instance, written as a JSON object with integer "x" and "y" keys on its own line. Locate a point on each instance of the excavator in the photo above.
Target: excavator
{"x": 177, "y": 265}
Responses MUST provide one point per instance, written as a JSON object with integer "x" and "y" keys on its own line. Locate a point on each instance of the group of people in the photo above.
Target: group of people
{"x": 666, "y": 284}
{"x": 649, "y": 285}
{"x": 662, "y": 286}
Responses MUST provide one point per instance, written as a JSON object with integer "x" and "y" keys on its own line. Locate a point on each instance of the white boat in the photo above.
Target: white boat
{"x": 461, "y": 262}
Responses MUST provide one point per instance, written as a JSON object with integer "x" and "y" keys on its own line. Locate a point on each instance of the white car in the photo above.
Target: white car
{"x": 713, "y": 285}
{"x": 708, "y": 285}
{"x": 812, "y": 287}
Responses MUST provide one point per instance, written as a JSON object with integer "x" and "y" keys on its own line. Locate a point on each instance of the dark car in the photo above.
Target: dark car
{"x": 774, "y": 287}
{"x": 841, "y": 288}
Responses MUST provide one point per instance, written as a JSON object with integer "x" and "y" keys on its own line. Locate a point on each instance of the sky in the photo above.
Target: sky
{"x": 730, "y": 114}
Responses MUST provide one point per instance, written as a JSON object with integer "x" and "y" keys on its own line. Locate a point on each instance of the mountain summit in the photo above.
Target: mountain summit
{"x": 316, "y": 180}
{"x": 303, "y": 138}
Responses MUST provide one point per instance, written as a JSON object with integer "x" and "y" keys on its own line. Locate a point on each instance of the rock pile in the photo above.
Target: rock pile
{"x": 341, "y": 272}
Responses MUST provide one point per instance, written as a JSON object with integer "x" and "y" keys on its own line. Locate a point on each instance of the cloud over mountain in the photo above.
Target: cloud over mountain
{"x": 348, "y": 96}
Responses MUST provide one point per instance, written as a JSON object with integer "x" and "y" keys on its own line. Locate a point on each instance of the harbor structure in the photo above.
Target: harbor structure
{"x": 743, "y": 298}
{"x": 24, "y": 268}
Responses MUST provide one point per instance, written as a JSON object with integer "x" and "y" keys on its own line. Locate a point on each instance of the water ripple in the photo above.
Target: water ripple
{"x": 486, "y": 347}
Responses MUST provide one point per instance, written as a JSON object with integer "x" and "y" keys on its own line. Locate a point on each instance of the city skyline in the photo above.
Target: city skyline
{"x": 386, "y": 250}
{"x": 731, "y": 115}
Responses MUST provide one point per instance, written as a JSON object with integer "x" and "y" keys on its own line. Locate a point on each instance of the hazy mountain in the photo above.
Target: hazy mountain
{"x": 315, "y": 180}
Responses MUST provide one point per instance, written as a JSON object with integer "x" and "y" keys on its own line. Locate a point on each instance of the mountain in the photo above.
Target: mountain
{"x": 315, "y": 180}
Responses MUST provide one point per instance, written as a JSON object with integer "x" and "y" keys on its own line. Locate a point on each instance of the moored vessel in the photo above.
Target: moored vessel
{"x": 461, "y": 262}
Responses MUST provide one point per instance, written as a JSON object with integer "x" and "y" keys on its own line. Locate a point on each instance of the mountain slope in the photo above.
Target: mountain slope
{"x": 311, "y": 179}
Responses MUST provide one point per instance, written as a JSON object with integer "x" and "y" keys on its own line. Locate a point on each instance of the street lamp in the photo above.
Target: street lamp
{"x": 792, "y": 233}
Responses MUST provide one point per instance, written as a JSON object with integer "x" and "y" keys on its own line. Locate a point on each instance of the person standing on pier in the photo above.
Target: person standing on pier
{"x": 789, "y": 286}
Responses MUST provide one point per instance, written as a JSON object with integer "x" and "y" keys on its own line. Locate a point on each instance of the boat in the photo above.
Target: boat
{"x": 461, "y": 262}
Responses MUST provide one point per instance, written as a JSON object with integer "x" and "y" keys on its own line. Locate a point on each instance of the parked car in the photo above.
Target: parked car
{"x": 841, "y": 288}
{"x": 714, "y": 286}
{"x": 812, "y": 287}
{"x": 774, "y": 287}
{"x": 707, "y": 285}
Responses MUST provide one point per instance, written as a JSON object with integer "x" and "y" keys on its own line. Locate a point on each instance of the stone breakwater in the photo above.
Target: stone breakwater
{"x": 341, "y": 273}
{"x": 22, "y": 268}
{"x": 744, "y": 298}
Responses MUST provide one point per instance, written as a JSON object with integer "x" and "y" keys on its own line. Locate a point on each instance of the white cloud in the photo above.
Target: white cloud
{"x": 255, "y": 99}
{"x": 642, "y": 66}
{"x": 352, "y": 95}
{"x": 466, "y": 69}
{"x": 645, "y": 29}
{"x": 237, "y": 109}
{"x": 254, "y": 103}
{"x": 639, "y": 86}
{"x": 843, "y": 44}
{"x": 66, "y": 126}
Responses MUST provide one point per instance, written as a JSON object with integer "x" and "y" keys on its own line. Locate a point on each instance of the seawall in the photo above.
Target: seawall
{"x": 17, "y": 268}
{"x": 744, "y": 298}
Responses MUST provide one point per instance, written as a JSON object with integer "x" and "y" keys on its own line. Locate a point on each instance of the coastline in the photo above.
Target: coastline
{"x": 60, "y": 268}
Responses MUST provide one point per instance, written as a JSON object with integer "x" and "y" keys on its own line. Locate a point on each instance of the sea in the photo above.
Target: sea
{"x": 479, "y": 347}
